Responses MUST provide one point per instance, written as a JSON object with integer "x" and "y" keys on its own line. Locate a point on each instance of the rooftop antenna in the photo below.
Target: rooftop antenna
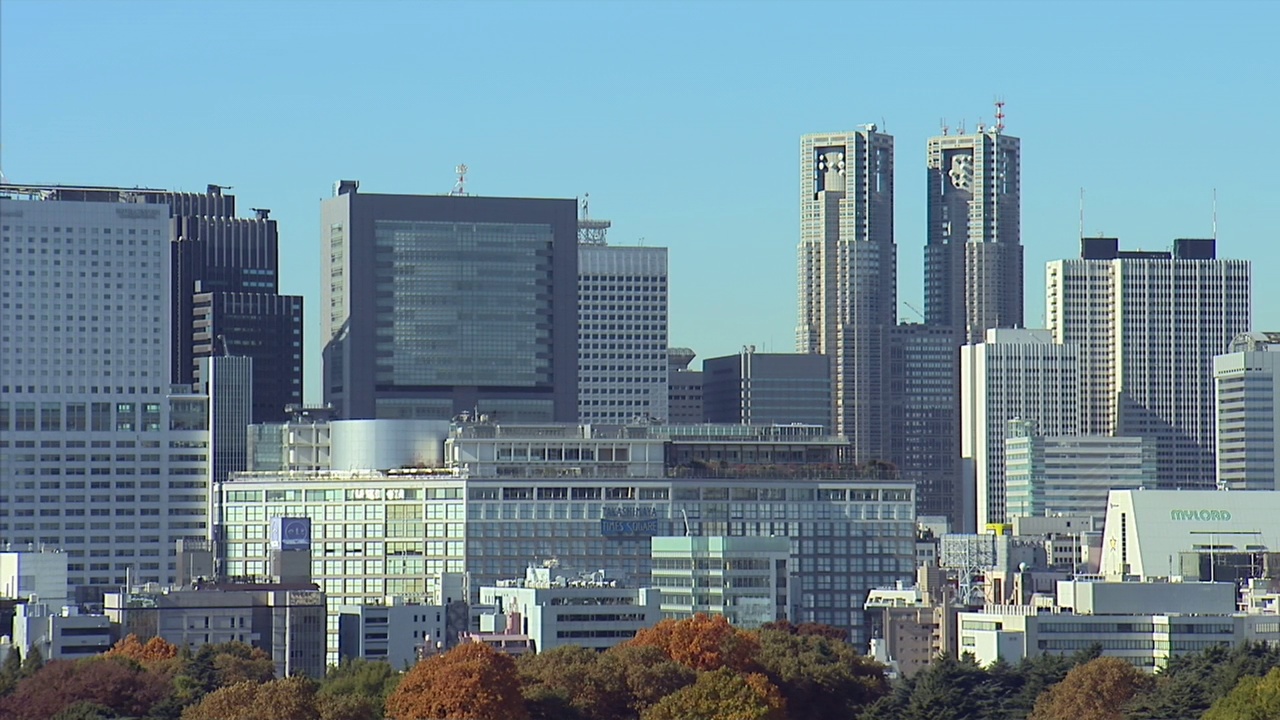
{"x": 1215, "y": 214}
{"x": 999, "y": 115}
{"x": 1081, "y": 212}
{"x": 460, "y": 187}
{"x": 943, "y": 123}
{"x": 962, "y": 126}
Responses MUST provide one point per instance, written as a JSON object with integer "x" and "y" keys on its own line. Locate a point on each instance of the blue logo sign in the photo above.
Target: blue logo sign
{"x": 291, "y": 533}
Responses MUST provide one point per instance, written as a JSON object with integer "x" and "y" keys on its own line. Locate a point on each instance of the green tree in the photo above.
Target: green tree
{"x": 33, "y": 662}
{"x": 1251, "y": 699}
{"x": 367, "y": 679}
{"x": 820, "y": 678}
{"x": 722, "y": 695}
{"x": 1096, "y": 690}
{"x": 84, "y": 710}
{"x": 10, "y": 671}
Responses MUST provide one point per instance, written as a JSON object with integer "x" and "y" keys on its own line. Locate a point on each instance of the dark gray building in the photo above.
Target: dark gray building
{"x": 439, "y": 305}
{"x": 754, "y": 388}
{"x": 684, "y": 388}
{"x": 921, "y": 388}
{"x": 262, "y": 326}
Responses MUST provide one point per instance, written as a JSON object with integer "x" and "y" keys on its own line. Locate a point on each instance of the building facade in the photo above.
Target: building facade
{"x": 745, "y": 579}
{"x": 684, "y": 389}
{"x": 388, "y": 533}
{"x": 622, "y": 333}
{"x": 1247, "y": 407}
{"x": 263, "y": 327}
{"x": 100, "y": 459}
{"x": 1070, "y": 474}
{"x": 848, "y": 273}
{"x": 438, "y": 305}
{"x": 973, "y": 259}
{"x": 754, "y": 388}
{"x": 395, "y": 632}
{"x": 1148, "y": 325}
{"x": 1014, "y": 374}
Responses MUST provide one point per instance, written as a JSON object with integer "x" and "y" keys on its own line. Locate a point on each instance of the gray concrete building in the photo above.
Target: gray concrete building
{"x": 745, "y": 579}
{"x": 754, "y": 388}
{"x": 1248, "y": 412}
{"x": 684, "y": 389}
{"x": 973, "y": 256}
{"x": 438, "y": 305}
{"x": 622, "y": 329}
{"x": 847, "y": 281}
{"x": 1148, "y": 325}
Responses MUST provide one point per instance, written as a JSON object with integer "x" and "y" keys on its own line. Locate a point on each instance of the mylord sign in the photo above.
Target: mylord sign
{"x": 1200, "y": 515}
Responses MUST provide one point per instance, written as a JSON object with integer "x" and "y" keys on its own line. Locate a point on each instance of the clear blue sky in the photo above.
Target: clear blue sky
{"x": 680, "y": 119}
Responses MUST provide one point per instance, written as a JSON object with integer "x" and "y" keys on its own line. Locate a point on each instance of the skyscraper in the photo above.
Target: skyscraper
{"x": 973, "y": 259}
{"x": 1012, "y": 375}
{"x": 98, "y": 458}
{"x": 622, "y": 328}
{"x": 848, "y": 273}
{"x": 439, "y": 305}
{"x": 1147, "y": 325}
{"x": 1248, "y": 412}
{"x": 753, "y": 388}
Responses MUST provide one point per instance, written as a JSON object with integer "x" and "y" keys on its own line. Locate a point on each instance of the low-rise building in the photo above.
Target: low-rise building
{"x": 745, "y": 579}
{"x": 398, "y": 632}
{"x": 551, "y": 609}
{"x": 287, "y": 621}
{"x": 1142, "y": 623}
{"x": 60, "y": 633}
{"x": 914, "y": 624}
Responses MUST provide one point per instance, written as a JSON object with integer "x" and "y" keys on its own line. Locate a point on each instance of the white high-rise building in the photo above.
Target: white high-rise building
{"x": 1148, "y": 325}
{"x": 1015, "y": 374}
{"x": 1248, "y": 412}
{"x": 848, "y": 274}
{"x": 98, "y": 458}
{"x": 622, "y": 329}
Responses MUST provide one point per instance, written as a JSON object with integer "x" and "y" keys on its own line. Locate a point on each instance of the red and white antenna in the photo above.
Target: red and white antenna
{"x": 999, "y": 115}
{"x": 460, "y": 187}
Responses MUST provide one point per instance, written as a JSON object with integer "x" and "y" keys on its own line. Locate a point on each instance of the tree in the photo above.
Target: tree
{"x": 10, "y": 671}
{"x": 120, "y": 686}
{"x": 1251, "y": 699}
{"x": 809, "y": 628}
{"x": 1097, "y": 690}
{"x": 292, "y": 698}
{"x": 722, "y": 695}
{"x": 347, "y": 707}
{"x": 703, "y": 642}
{"x": 85, "y": 711}
{"x": 471, "y": 681}
{"x": 368, "y": 679}
{"x": 155, "y": 650}
{"x": 645, "y": 675}
{"x": 33, "y": 662}
{"x": 219, "y": 665}
{"x": 820, "y": 678}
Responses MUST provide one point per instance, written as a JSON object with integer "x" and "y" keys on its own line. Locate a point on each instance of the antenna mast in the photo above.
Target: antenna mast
{"x": 1081, "y": 212}
{"x": 1215, "y": 214}
{"x": 460, "y": 187}
{"x": 999, "y": 115}
{"x": 591, "y": 232}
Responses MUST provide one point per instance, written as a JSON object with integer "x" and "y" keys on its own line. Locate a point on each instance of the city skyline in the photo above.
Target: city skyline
{"x": 1128, "y": 86}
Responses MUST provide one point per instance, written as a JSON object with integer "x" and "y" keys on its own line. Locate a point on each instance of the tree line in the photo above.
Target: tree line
{"x": 696, "y": 669}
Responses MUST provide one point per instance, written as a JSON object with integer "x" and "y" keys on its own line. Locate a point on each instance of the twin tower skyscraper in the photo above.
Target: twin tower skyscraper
{"x": 896, "y": 386}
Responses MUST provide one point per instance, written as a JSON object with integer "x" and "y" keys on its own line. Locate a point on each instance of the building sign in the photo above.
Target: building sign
{"x": 629, "y": 522}
{"x": 290, "y": 533}
{"x": 1200, "y": 515}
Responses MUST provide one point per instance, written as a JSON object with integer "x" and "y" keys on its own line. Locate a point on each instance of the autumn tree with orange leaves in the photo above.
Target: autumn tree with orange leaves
{"x": 470, "y": 682}
{"x": 703, "y": 642}
{"x": 157, "y": 649}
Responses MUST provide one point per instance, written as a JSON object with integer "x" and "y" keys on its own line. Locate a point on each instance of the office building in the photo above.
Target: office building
{"x": 1144, "y": 623}
{"x": 745, "y": 579}
{"x": 396, "y": 632}
{"x": 684, "y": 389}
{"x": 263, "y": 327}
{"x": 1070, "y": 474}
{"x": 438, "y": 305}
{"x": 226, "y": 301}
{"x": 39, "y": 573}
{"x": 913, "y": 625}
{"x": 847, "y": 536}
{"x": 622, "y": 329}
{"x": 1014, "y": 374}
{"x": 286, "y": 621}
{"x": 300, "y": 443}
{"x": 1247, "y": 407}
{"x": 973, "y": 259}
{"x": 100, "y": 458}
{"x": 848, "y": 274}
{"x": 1148, "y": 325}
{"x": 920, "y": 384}
{"x": 553, "y": 609}
{"x": 60, "y": 632}
{"x": 228, "y": 383}
{"x": 755, "y": 388}
{"x": 1195, "y": 534}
